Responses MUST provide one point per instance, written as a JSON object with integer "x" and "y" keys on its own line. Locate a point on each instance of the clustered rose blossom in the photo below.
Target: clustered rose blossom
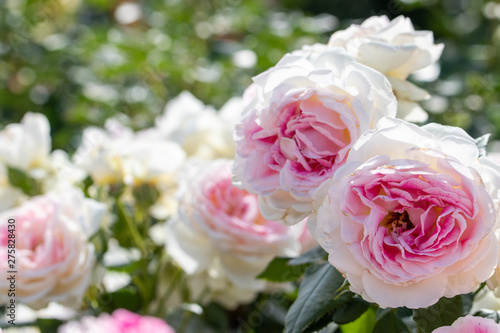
{"x": 27, "y": 147}
{"x": 221, "y": 234}
{"x": 408, "y": 218}
{"x": 54, "y": 260}
{"x": 120, "y": 321}
{"x": 307, "y": 112}
{"x": 200, "y": 130}
{"x": 470, "y": 324}
{"x": 396, "y": 50}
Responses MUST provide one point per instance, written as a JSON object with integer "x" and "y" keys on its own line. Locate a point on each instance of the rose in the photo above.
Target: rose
{"x": 117, "y": 154}
{"x": 199, "y": 129}
{"x": 27, "y": 145}
{"x": 220, "y": 233}
{"x": 469, "y": 324}
{"x": 395, "y": 49}
{"x": 54, "y": 261}
{"x": 121, "y": 321}
{"x": 408, "y": 218}
{"x": 308, "y": 111}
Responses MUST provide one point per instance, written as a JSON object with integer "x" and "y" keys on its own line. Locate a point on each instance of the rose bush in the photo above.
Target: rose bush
{"x": 220, "y": 232}
{"x": 53, "y": 257}
{"x": 307, "y": 113}
{"x": 408, "y": 218}
{"x": 395, "y": 49}
{"x": 470, "y": 324}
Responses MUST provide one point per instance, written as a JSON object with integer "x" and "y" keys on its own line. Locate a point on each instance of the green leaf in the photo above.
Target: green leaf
{"x": 350, "y": 311}
{"x": 363, "y": 324}
{"x": 278, "y": 270}
{"x": 320, "y": 292}
{"x": 443, "y": 313}
{"x": 310, "y": 257}
{"x": 491, "y": 314}
{"x": 390, "y": 322}
{"x": 23, "y": 181}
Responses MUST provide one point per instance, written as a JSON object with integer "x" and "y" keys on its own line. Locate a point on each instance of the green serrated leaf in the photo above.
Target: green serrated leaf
{"x": 310, "y": 257}
{"x": 278, "y": 270}
{"x": 20, "y": 179}
{"x": 443, "y": 313}
{"x": 318, "y": 294}
{"x": 390, "y": 322}
{"x": 363, "y": 324}
{"x": 491, "y": 314}
{"x": 350, "y": 311}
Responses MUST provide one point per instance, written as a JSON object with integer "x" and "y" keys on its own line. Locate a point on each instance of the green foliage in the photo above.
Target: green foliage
{"x": 320, "y": 292}
{"x": 443, "y": 313}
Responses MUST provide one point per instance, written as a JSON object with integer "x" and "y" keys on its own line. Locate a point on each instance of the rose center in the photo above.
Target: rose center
{"x": 397, "y": 222}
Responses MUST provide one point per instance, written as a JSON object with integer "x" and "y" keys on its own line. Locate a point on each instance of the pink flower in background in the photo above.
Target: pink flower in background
{"x": 307, "y": 112}
{"x": 121, "y": 321}
{"x": 53, "y": 258}
{"x": 221, "y": 231}
{"x": 470, "y": 324}
{"x": 408, "y": 219}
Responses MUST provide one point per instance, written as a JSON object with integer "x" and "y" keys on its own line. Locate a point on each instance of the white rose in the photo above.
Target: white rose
{"x": 200, "y": 130}
{"x": 395, "y": 49}
{"x": 27, "y": 145}
{"x": 54, "y": 261}
{"x": 409, "y": 218}
{"x": 220, "y": 232}
{"x": 307, "y": 113}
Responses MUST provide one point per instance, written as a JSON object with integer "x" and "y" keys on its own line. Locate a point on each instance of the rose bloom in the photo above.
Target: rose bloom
{"x": 307, "y": 113}
{"x": 27, "y": 146}
{"x": 54, "y": 261}
{"x": 395, "y": 49}
{"x": 121, "y": 321}
{"x": 200, "y": 129}
{"x": 408, "y": 218}
{"x": 470, "y": 324}
{"x": 221, "y": 235}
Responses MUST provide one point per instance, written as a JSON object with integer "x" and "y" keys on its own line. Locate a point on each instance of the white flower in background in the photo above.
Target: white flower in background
{"x": 220, "y": 237}
{"x": 27, "y": 146}
{"x": 117, "y": 154}
{"x": 53, "y": 257}
{"x": 200, "y": 130}
{"x": 395, "y": 49}
{"x": 306, "y": 114}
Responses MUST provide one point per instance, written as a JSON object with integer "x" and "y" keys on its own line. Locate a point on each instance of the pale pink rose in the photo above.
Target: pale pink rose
{"x": 470, "y": 324}
{"x": 221, "y": 231}
{"x": 408, "y": 218}
{"x": 121, "y": 321}
{"x": 395, "y": 49}
{"x": 54, "y": 260}
{"x": 307, "y": 112}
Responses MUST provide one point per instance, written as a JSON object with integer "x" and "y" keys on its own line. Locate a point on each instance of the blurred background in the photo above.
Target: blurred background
{"x": 81, "y": 62}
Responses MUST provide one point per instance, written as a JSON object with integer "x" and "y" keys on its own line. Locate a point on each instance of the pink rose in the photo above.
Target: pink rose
{"x": 54, "y": 261}
{"x": 220, "y": 231}
{"x": 408, "y": 218}
{"x": 308, "y": 111}
{"x": 121, "y": 321}
{"x": 470, "y": 324}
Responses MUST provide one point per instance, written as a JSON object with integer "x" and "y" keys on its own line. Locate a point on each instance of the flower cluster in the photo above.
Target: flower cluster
{"x": 218, "y": 207}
